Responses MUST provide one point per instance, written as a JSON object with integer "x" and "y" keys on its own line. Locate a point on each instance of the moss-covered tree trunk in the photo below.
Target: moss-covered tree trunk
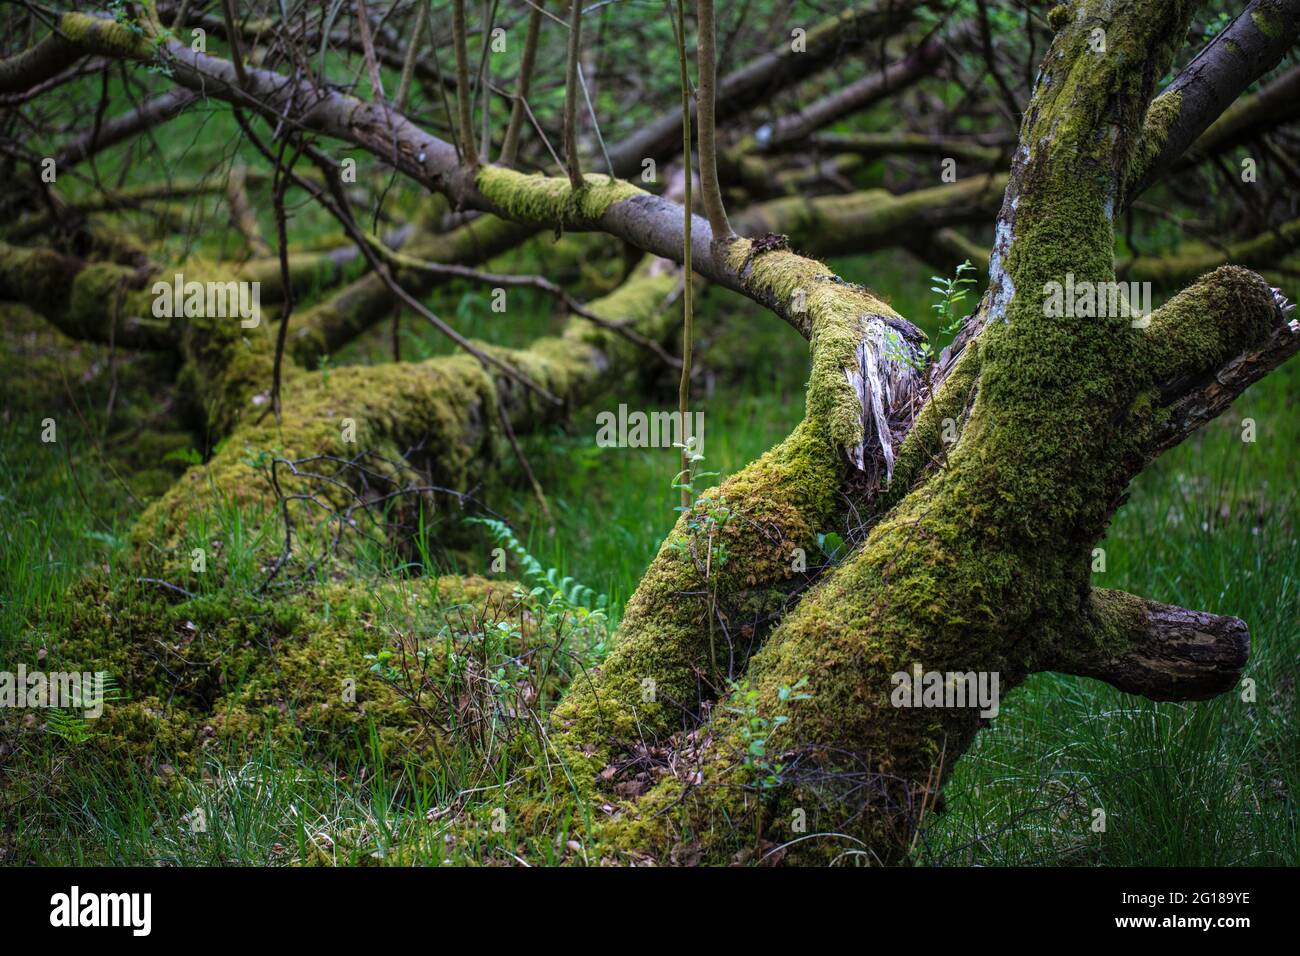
{"x": 977, "y": 561}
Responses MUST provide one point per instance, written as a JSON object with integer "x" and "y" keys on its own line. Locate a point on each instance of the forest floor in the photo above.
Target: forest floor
{"x": 1212, "y": 526}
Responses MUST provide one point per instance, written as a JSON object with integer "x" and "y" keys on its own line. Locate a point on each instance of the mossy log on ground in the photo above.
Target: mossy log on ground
{"x": 326, "y": 327}
{"x": 433, "y": 423}
{"x": 874, "y": 218}
{"x": 1195, "y": 259}
{"x": 1167, "y": 272}
{"x": 218, "y": 675}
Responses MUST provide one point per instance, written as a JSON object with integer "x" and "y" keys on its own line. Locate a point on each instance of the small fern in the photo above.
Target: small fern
{"x": 69, "y": 727}
{"x": 571, "y": 590}
{"x": 73, "y": 727}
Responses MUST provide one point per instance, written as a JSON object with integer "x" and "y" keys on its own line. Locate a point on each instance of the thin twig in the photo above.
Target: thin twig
{"x": 572, "y": 165}
{"x": 706, "y": 132}
{"x": 236, "y": 54}
{"x": 510, "y": 145}
{"x": 368, "y": 48}
{"x": 684, "y": 387}
{"x": 412, "y": 54}
{"x": 528, "y": 468}
{"x": 464, "y": 122}
{"x": 282, "y": 241}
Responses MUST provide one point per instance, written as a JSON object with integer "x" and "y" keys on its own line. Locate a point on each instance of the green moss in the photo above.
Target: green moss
{"x": 778, "y": 504}
{"x": 984, "y": 566}
{"x": 846, "y": 224}
{"x": 1161, "y": 116}
{"x": 926, "y": 444}
{"x": 37, "y": 277}
{"x": 100, "y": 35}
{"x": 1267, "y": 21}
{"x": 76, "y": 297}
{"x": 223, "y": 673}
{"x": 551, "y": 200}
{"x": 1205, "y": 325}
{"x": 832, "y": 314}
{"x": 386, "y": 409}
{"x": 1116, "y": 621}
{"x": 107, "y": 240}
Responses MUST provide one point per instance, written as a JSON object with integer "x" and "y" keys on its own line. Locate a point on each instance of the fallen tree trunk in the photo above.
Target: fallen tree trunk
{"x": 874, "y": 218}
{"x": 947, "y": 247}
{"x": 435, "y": 426}
{"x": 854, "y": 97}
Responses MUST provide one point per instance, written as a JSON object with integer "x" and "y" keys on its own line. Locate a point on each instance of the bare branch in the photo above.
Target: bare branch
{"x": 464, "y": 122}
{"x": 1239, "y": 55}
{"x": 1159, "y": 651}
{"x": 510, "y": 145}
{"x": 571, "y": 162}
{"x": 706, "y": 98}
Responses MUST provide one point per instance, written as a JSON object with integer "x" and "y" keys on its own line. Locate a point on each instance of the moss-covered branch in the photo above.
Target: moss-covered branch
{"x": 716, "y": 587}
{"x": 1245, "y": 50}
{"x": 1195, "y": 401}
{"x": 1158, "y": 651}
{"x": 64, "y": 46}
{"x": 982, "y": 568}
{"x": 873, "y": 218}
{"x": 1226, "y": 313}
{"x": 1172, "y": 270}
{"x": 880, "y": 145}
{"x": 650, "y": 223}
